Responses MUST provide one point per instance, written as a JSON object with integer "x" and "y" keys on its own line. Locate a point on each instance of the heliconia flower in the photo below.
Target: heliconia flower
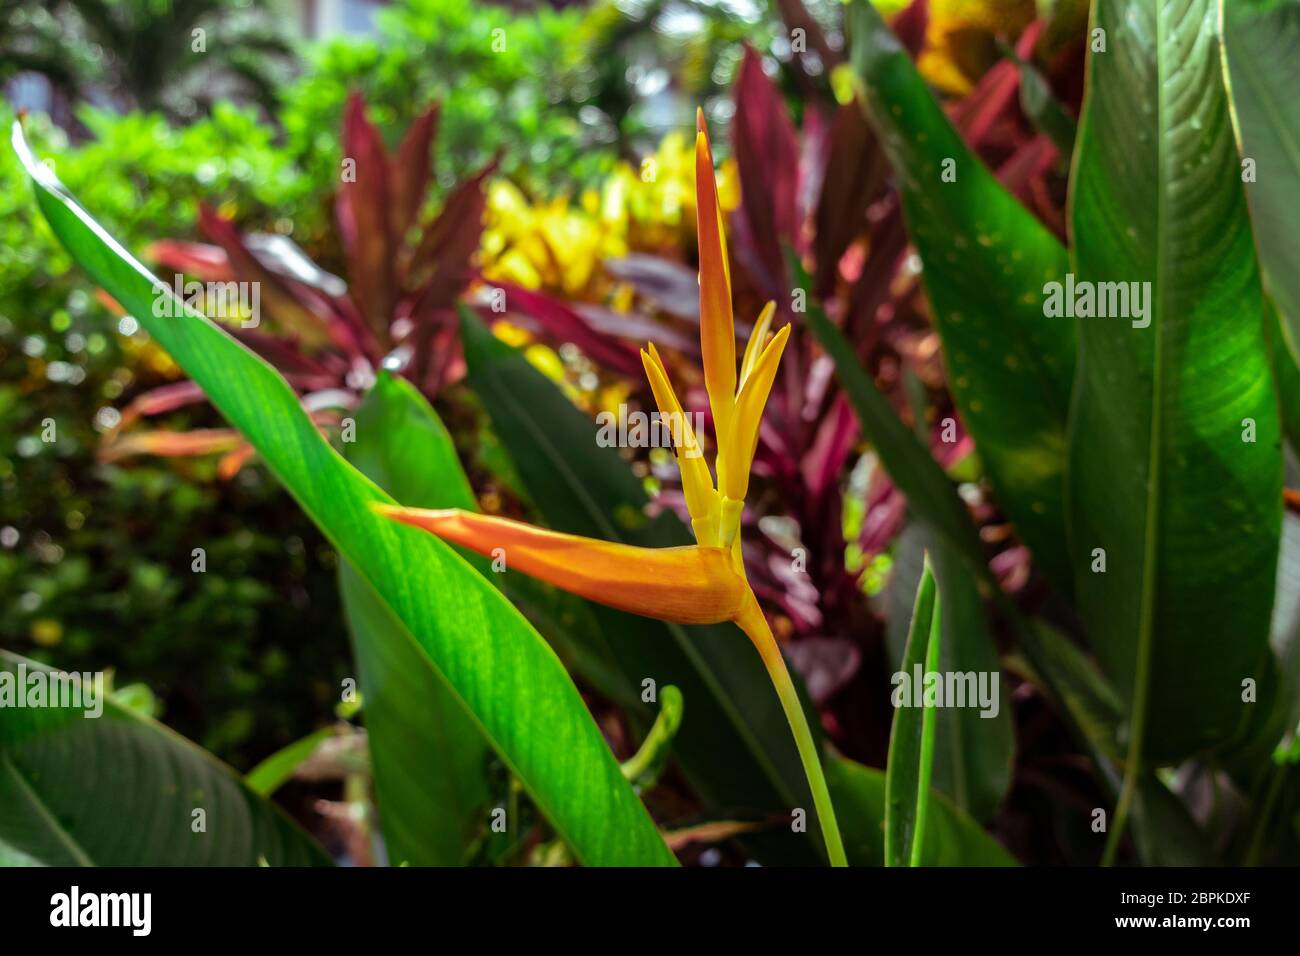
{"x": 703, "y": 583}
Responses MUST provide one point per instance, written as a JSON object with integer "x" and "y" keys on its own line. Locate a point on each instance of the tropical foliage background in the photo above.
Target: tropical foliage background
{"x": 903, "y": 180}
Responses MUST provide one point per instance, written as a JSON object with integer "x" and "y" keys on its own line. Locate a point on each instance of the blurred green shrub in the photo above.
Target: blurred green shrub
{"x": 507, "y": 82}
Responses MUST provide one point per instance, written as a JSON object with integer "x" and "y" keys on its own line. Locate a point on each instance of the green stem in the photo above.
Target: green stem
{"x": 754, "y": 624}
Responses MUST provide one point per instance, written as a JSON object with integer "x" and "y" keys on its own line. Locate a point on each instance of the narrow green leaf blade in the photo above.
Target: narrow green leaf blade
{"x": 911, "y": 738}
{"x": 428, "y": 754}
{"x": 121, "y": 790}
{"x": 951, "y": 839}
{"x": 1175, "y": 454}
{"x": 497, "y": 664}
{"x": 986, "y": 260}
{"x": 974, "y": 745}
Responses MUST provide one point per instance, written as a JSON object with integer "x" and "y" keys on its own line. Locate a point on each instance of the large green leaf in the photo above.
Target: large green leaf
{"x": 911, "y": 737}
{"x": 973, "y": 751}
{"x": 986, "y": 260}
{"x": 428, "y": 755}
{"x": 505, "y": 674}
{"x": 1160, "y": 478}
{"x": 734, "y": 744}
{"x": 951, "y": 838}
{"x": 1261, "y": 56}
{"x": 119, "y": 789}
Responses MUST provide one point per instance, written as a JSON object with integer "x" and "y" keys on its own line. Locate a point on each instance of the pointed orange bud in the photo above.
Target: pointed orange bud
{"x": 717, "y": 330}
{"x": 692, "y": 585}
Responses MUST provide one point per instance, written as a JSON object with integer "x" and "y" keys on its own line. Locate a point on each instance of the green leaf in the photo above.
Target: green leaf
{"x": 1287, "y": 375}
{"x": 986, "y": 260}
{"x": 1261, "y": 59}
{"x": 428, "y": 755}
{"x": 951, "y": 838}
{"x": 973, "y": 749}
{"x": 734, "y": 745}
{"x": 118, "y": 789}
{"x": 274, "y": 772}
{"x": 1040, "y": 104}
{"x": 911, "y": 738}
{"x": 495, "y": 662}
{"x": 1186, "y": 512}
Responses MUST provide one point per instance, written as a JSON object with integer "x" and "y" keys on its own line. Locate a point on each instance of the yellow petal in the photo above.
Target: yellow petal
{"x": 692, "y": 585}
{"x": 757, "y": 339}
{"x": 697, "y": 483}
{"x": 739, "y": 449}
{"x": 717, "y": 331}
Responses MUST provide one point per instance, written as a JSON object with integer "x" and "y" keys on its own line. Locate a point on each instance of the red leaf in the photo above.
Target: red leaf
{"x": 411, "y": 170}
{"x": 767, "y": 155}
{"x": 299, "y": 310}
{"x": 441, "y": 266}
{"x": 362, "y": 210}
{"x": 563, "y": 324}
{"x": 909, "y": 26}
{"x": 207, "y": 262}
{"x": 854, "y": 175}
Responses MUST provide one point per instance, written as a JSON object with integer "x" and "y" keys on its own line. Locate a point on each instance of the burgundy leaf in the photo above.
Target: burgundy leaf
{"x": 207, "y": 262}
{"x": 441, "y": 266}
{"x": 564, "y": 324}
{"x": 300, "y": 310}
{"x": 362, "y": 211}
{"x": 836, "y": 435}
{"x": 671, "y": 286}
{"x": 855, "y": 171}
{"x": 411, "y": 170}
{"x": 910, "y": 25}
{"x": 767, "y": 156}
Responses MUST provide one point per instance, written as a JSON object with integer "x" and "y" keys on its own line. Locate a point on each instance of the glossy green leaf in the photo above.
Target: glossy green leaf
{"x": 974, "y": 747}
{"x": 1040, "y": 104}
{"x": 496, "y": 663}
{"x": 276, "y": 770}
{"x": 911, "y": 738}
{"x": 986, "y": 261}
{"x": 428, "y": 755}
{"x": 1175, "y": 454}
{"x": 734, "y": 745}
{"x": 1261, "y": 57}
{"x": 951, "y": 838}
{"x": 118, "y": 789}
